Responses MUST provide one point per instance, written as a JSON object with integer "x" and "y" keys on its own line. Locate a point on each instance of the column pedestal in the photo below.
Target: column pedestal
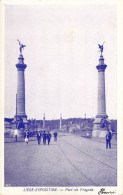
{"x": 97, "y": 130}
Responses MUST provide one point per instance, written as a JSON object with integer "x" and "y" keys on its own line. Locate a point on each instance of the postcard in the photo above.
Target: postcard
{"x": 61, "y": 97}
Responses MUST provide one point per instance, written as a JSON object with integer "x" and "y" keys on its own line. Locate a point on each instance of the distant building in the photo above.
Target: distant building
{"x": 7, "y": 124}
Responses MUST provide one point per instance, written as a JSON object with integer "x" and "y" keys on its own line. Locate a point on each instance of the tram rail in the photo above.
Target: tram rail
{"x": 81, "y": 151}
{"x": 68, "y": 159}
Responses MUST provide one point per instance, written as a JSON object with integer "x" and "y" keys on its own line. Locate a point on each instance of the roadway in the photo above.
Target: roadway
{"x": 71, "y": 161}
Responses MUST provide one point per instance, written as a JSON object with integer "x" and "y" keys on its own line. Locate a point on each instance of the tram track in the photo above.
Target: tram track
{"x": 81, "y": 151}
{"x": 73, "y": 165}
{"x": 99, "y": 148}
{"x": 101, "y": 151}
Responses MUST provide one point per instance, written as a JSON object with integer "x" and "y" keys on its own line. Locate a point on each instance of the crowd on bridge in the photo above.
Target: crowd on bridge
{"x": 46, "y": 137}
{"x": 41, "y": 135}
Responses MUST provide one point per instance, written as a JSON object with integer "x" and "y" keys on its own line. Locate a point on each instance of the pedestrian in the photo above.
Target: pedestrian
{"x": 44, "y": 137}
{"x": 16, "y": 134}
{"x": 39, "y": 137}
{"x": 55, "y": 136}
{"x": 26, "y": 137}
{"x": 108, "y": 139}
{"x": 48, "y": 137}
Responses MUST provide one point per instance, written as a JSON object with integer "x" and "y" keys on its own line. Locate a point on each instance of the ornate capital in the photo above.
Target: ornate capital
{"x": 21, "y": 66}
{"x": 101, "y": 67}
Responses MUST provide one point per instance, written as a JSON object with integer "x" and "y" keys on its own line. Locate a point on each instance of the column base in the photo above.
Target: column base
{"x": 20, "y": 119}
{"x": 99, "y": 133}
{"x": 97, "y": 130}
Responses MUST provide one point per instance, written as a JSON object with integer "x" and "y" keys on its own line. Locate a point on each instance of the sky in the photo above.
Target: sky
{"x": 61, "y": 54}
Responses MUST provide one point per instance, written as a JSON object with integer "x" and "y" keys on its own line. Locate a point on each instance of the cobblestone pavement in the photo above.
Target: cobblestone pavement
{"x": 71, "y": 161}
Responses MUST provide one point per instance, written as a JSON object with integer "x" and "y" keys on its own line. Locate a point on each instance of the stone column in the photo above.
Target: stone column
{"x": 21, "y": 89}
{"x": 97, "y": 130}
{"x": 60, "y": 121}
{"x": 101, "y": 87}
{"x": 43, "y": 121}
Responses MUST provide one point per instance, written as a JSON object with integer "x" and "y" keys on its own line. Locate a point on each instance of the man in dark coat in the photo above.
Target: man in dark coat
{"x": 44, "y": 137}
{"x": 55, "y": 136}
{"x": 48, "y": 137}
{"x": 39, "y": 137}
{"x": 108, "y": 139}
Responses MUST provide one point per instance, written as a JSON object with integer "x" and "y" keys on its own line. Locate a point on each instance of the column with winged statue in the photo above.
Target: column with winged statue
{"x": 20, "y": 102}
{"x": 98, "y": 129}
{"x": 60, "y": 122}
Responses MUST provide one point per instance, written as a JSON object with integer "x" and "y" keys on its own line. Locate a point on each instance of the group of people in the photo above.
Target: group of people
{"x": 46, "y": 137}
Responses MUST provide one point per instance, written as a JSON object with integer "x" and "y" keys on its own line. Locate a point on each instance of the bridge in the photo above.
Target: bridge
{"x": 71, "y": 161}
